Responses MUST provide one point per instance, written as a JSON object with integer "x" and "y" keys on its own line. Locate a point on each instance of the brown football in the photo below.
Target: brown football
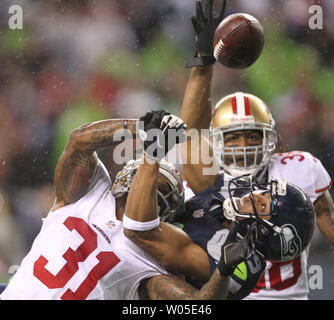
{"x": 238, "y": 41}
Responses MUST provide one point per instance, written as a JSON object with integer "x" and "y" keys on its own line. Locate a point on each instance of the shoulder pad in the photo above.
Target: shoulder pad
{"x": 301, "y": 169}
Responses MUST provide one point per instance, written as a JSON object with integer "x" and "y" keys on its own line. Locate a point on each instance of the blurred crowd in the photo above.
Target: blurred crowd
{"x": 77, "y": 61}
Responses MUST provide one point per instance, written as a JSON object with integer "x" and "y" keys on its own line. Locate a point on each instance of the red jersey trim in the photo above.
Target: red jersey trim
{"x": 323, "y": 189}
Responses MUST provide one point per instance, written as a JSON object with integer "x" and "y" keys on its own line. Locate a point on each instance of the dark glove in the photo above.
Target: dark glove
{"x": 235, "y": 251}
{"x": 160, "y": 131}
{"x": 246, "y": 276}
{"x": 205, "y": 24}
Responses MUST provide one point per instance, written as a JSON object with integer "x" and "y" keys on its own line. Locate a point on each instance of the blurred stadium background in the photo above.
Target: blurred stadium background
{"x": 77, "y": 61}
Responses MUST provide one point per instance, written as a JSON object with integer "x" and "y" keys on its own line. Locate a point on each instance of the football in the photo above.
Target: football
{"x": 238, "y": 41}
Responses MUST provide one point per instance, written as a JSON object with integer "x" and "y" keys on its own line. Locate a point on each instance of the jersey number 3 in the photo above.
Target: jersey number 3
{"x": 107, "y": 260}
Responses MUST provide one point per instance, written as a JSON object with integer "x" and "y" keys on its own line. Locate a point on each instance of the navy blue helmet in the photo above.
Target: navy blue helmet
{"x": 288, "y": 228}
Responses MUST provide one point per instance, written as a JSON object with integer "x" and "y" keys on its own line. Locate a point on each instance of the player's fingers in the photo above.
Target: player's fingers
{"x": 222, "y": 11}
{"x": 208, "y": 9}
{"x": 146, "y": 117}
{"x": 171, "y": 121}
{"x": 249, "y": 238}
{"x": 175, "y": 122}
{"x": 233, "y": 232}
{"x": 199, "y": 12}
{"x": 251, "y": 230}
{"x": 196, "y": 24}
{"x": 165, "y": 122}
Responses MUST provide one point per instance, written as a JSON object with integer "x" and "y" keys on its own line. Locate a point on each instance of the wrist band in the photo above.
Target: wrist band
{"x": 130, "y": 224}
{"x": 200, "y": 61}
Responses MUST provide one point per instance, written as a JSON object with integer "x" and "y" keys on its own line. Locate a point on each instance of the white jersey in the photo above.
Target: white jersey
{"x": 288, "y": 280}
{"x": 82, "y": 253}
{"x": 188, "y": 193}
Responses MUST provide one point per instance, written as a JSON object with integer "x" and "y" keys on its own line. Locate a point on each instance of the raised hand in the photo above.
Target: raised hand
{"x": 160, "y": 131}
{"x": 205, "y": 23}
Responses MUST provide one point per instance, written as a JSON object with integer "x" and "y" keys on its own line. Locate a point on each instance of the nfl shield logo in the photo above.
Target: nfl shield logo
{"x": 198, "y": 213}
{"x": 111, "y": 224}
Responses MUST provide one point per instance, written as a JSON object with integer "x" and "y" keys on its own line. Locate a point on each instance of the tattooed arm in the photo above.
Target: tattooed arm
{"x": 169, "y": 245}
{"x": 78, "y": 160}
{"x": 324, "y": 209}
{"x": 165, "y": 287}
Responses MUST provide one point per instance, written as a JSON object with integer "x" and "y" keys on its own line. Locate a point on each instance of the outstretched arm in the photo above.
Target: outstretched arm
{"x": 78, "y": 160}
{"x": 166, "y": 243}
{"x": 196, "y": 108}
{"x": 197, "y": 154}
{"x": 232, "y": 253}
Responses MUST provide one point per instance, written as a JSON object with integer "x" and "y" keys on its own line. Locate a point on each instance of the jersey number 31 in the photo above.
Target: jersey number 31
{"x": 107, "y": 260}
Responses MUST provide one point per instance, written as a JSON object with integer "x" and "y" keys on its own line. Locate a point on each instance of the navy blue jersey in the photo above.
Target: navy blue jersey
{"x": 203, "y": 220}
{"x": 3, "y": 286}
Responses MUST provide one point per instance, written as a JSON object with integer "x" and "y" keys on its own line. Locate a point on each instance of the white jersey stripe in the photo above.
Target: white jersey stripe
{"x": 240, "y": 104}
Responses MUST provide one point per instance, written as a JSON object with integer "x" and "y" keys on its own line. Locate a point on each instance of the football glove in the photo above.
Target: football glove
{"x": 246, "y": 275}
{"x": 205, "y": 24}
{"x": 160, "y": 131}
{"x": 234, "y": 251}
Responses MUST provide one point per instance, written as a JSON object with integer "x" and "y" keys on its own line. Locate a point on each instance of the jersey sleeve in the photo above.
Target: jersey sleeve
{"x": 320, "y": 181}
{"x": 303, "y": 170}
{"x": 100, "y": 177}
{"x": 188, "y": 193}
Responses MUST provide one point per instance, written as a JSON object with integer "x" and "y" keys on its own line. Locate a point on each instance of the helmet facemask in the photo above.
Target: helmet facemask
{"x": 244, "y": 160}
{"x": 243, "y": 185}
